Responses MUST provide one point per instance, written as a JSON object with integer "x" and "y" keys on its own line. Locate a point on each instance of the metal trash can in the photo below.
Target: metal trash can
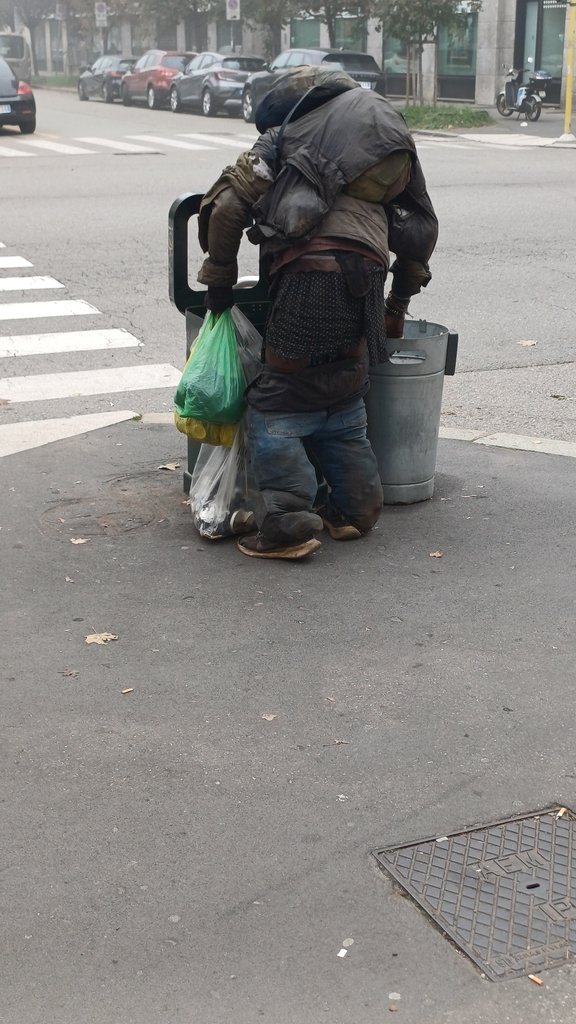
{"x": 404, "y": 405}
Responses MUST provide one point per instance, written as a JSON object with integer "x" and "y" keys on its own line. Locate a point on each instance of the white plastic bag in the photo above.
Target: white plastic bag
{"x": 221, "y": 491}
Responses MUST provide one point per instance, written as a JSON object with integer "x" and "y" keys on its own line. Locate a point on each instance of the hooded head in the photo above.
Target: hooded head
{"x": 311, "y": 84}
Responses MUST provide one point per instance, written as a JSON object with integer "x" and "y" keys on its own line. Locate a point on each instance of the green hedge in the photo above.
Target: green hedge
{"x": 445, "y": 117}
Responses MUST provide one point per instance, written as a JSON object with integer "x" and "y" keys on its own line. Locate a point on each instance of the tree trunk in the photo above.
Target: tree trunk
{"x": 420, "y": 81}
{"x": 331, "y": 26}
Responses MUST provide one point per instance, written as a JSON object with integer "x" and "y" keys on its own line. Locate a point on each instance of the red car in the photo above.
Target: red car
{"x": 152, "y": 75}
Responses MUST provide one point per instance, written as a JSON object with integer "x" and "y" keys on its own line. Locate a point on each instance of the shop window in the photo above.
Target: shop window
{"x": 228, "y": 36}
{"x": 457, "y": 47}
{"x": 552, "y": 37}
{"x": 305, "y": 33}
{"x": 350, "y": 33}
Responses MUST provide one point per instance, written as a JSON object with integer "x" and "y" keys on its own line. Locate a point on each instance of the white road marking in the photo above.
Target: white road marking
{"x": 6, "y": 151}
{"x": 220, "y": 139}
{"x": 57, "y": 307}
{"x": 123, "y": 147}
{"x": 2, "y": 246}
{"x": 57, "y": 147}
{"x": 21, "y": 437}
{"x": 42, "y": 387}
{"x": 160, "y": 141}
{"x": 12, "y": 262}
{"x": 68, "y": 341}
{"x": 23, "y": 284}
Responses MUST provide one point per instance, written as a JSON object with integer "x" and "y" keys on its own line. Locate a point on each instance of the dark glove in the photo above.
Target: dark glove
{"x": 394, "y": 314}
{"x": 219, "y": 299}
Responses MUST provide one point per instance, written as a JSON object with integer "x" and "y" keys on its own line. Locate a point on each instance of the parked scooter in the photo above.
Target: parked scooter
{"x": 523, "y": 99}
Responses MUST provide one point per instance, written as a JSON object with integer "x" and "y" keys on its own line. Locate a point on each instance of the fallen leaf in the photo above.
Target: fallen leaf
{"x": 535, "y": 979}
{"x": 99, "y": 638}
{"x": 436, "y": 554}
{"x": 171, "y": 466}
{"x": 72, "y": 672}
{"x": 527, "y": 344}
{"x": 68, "y": 579}
{"x": 268, "y": 718}
{"x": 79, "y": 540}
{"x": 129, "y": 689}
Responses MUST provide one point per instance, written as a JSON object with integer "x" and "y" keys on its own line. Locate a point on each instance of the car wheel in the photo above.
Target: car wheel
{"x": 27, "y": 127}
{"x": 248, "y": 107}
{"x": 151, "y": 98}
{"x": 175, "y": 101}
{"x": 107, "y": 93}
{"x": 126, "y": 97}
{"x": 209, "y": 107}
{"x": 82, "y": 94}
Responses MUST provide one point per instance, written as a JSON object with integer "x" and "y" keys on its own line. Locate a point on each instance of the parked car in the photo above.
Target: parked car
{"x": 15, "y": 50}
{"x": 17, "y": 103}
{"x": 212, "y": 81}
{"x": 104, "y": 78}
{"x": 151, "y": 76}
{"x": 360, "y": 66}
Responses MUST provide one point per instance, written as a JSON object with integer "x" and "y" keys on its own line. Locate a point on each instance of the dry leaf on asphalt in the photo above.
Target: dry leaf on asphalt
{"x": 79, "y": 540}
{"x": 268, "y": 718}
{"x": 171, "y": 466}
{"x": 527, "y": 344}
{"x": 72, "y": 672}
{"x": 99, "y": 638}
{"x": 436, "y": 554}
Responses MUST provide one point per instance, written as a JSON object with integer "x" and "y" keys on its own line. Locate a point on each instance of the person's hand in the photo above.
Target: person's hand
{"x": 219, "y": 299}
{"x": 394, "y": 325}
{"x": 394, "y": 315}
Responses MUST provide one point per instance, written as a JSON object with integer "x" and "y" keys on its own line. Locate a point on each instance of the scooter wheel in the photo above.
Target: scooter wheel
{"x": 534, "y": 109}
{"x": 502, "y": 108}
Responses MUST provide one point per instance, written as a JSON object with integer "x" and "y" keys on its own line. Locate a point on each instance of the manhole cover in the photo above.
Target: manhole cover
{"x": 505, "y": 893}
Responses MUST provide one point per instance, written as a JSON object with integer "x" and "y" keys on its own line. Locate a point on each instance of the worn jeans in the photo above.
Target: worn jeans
{"x": 279, "y": 444}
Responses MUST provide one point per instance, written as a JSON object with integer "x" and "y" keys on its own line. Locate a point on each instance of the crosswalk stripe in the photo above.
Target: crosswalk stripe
{"x": 21, "y": 437}
{"x": 57, "y": 307}
{"x": 123, "y": 147}
{"x": 13, "y": 262}
{"x": 220, "y": 139}
{"x": 23, "y": 284}
{"x": 67, "y": 341}
{"x": 6, "y": 151}
{"x": 56, "y": 147}
{"x": 73, "y": 384}
{"x": 158, "y": 140}
{"x": 2, "y": 246}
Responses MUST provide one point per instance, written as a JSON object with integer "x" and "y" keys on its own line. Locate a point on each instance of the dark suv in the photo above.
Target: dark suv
{"x": 360, "y": 66}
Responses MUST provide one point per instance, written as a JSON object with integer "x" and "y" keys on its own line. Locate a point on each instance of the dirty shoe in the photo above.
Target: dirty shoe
{"x": 257, "y": 546}
{"x": 338, "y": 527}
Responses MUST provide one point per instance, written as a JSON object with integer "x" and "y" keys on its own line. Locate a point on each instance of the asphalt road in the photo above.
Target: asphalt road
{"x": 504, "y": 269}
{"x": 197, "y": 849}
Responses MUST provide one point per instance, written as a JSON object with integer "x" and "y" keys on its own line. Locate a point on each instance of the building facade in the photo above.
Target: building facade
{"x": 467, "y": 63}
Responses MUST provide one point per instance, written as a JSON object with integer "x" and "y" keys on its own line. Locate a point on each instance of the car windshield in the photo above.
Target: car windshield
{"x": 175, "y": 62}
{"x": 12, "y": 47}
{"x": 243, "y": 63}
{"x": 351, "y": 61}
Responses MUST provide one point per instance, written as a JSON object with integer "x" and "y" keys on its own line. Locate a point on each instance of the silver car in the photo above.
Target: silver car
{"x": 213, "y": 82}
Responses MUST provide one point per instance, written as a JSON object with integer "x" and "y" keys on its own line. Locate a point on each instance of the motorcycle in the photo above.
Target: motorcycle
{"x": 523, "y": 99}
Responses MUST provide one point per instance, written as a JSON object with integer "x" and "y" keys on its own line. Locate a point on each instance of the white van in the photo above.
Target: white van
{"x": 15, "y": 50}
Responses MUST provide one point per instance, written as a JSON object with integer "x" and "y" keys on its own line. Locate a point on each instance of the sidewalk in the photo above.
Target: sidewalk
{"x": 171, "y": 854}
{"x": 516, "y": 131}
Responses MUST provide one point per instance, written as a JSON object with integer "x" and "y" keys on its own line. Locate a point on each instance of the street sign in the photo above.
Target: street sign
{"x": 101, "y": 14}
{"x": 232, "y": 10}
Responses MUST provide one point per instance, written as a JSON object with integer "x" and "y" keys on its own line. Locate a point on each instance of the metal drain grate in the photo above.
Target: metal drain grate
{"x": 505, "y": 893}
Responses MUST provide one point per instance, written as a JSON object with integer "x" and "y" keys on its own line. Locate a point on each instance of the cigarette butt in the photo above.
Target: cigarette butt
{"x": 535, "y": 979}
{"x": 561, "y": 812}
{"x": 129, "y": 689}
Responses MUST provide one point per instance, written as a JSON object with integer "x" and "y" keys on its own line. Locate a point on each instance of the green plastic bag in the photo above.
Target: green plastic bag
{"x": 212, "y": 385}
